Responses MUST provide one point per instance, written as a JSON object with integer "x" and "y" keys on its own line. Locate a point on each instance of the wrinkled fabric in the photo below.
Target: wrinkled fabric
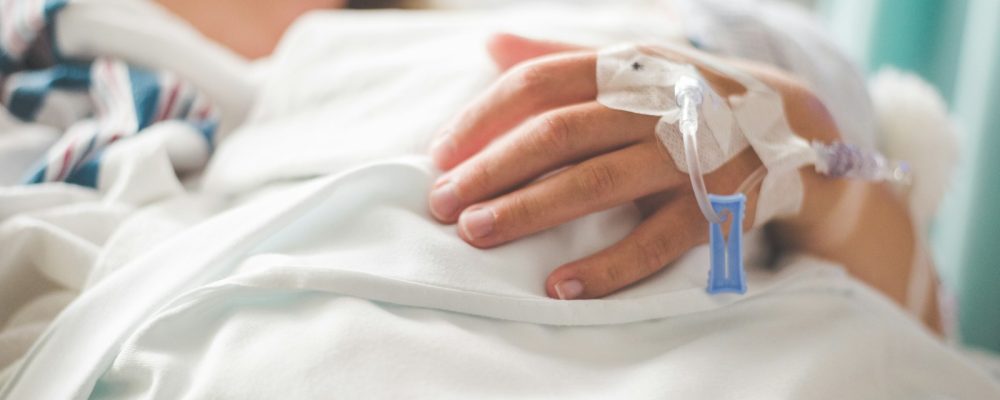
{"x": 97, "y": 101}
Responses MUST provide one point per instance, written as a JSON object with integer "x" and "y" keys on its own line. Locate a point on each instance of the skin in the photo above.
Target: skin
{"x": 536, "y": 150}
{"x": 251, "y": 28}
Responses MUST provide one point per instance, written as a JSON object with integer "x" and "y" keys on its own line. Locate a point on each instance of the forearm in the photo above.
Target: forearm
{"x": 864, "y": 226}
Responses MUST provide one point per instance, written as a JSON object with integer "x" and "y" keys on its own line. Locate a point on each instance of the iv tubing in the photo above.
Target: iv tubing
{"x": 688, "y": 95}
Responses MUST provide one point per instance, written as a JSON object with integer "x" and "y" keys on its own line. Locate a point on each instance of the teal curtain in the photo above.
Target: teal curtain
{"x": 955, "y": 45}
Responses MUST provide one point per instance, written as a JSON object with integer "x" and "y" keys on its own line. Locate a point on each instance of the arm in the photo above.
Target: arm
{"x": 864, "y": 226}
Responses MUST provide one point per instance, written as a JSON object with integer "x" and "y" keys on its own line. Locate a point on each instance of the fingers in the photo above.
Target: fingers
{"x": 594, "y": 185}
{"x": 675, "y": 226}
{"x": 509, "y": 50}
{"x": 658, "y": 241}
{"x": 544, "y": 144}
{"x": 529, "y": 89}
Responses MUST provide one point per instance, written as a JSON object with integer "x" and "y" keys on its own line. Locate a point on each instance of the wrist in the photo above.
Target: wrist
{"x": 829, "y": 212}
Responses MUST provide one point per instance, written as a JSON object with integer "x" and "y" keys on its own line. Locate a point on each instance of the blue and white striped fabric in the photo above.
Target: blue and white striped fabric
{"x": 25, "y": 27}
{"x": 98, "y": 102}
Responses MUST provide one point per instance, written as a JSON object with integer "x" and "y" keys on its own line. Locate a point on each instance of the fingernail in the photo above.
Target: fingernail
{"x": 478, "y": 223}
{"x": 569, "y": 289}
{"x": 443, "y": 201}
{"x": 441, "y": 149}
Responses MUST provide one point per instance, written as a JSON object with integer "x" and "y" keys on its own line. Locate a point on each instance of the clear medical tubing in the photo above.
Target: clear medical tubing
{"x": 688, "y": 93}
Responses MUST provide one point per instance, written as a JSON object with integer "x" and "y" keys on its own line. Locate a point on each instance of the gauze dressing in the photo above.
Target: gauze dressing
{"x": 642, "y": 80}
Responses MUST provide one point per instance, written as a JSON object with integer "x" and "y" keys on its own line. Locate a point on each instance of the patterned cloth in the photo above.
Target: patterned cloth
{"x": 98, "y": 102}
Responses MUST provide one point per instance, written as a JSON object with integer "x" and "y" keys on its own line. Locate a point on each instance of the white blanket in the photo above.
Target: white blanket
{"x": 267, "y": 285}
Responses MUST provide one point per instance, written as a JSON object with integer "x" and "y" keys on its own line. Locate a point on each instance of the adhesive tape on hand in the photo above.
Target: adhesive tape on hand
{"x": 641, "y": 79}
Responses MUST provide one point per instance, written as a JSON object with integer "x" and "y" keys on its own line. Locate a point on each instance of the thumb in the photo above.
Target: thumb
{"x": 509, "y": 50}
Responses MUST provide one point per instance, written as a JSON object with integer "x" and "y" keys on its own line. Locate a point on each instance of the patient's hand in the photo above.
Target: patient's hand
{"x": 611, "y": 157}
{"x": 493, "y": 162}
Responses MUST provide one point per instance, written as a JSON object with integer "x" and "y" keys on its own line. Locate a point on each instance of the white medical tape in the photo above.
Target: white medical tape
{"x": 641, "y": 79}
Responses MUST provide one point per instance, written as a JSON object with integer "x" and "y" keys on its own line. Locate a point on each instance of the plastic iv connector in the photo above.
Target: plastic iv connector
{"x": 726, "y": 272}
{"x": 842, "y": 160}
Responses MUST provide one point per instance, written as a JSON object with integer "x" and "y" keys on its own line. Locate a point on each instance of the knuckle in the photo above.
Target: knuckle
{"x": 804, "y": 97}
{"x": 530, "y": 79}
{"x": 615, "y": 276}
{"x": 476, "y": 181}
{"x": 514, "y": 211}
{"x": 554, "y": 131}
{"x": 804, "y": 106}
{"x": 598, "y": 179}
{"x": 651, "y": 255}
